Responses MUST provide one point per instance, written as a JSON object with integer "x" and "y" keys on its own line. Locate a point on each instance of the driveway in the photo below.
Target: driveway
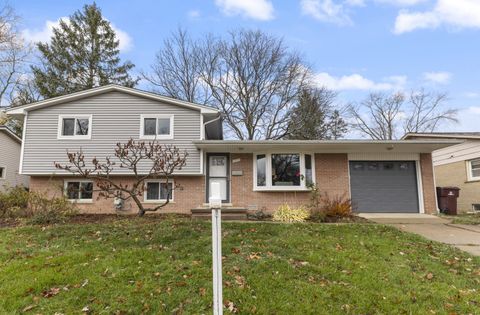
{"x": 464, "y": 237}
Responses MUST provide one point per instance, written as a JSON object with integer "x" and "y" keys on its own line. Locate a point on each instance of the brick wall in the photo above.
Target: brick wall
{"x": 189, "y": 195}
{"x": 428, "y": 183}
{"x": 331, "y": 171}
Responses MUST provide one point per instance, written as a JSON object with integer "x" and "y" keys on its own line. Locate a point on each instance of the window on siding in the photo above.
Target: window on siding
{"x": 74, "y": 127}
{"x": 157, "y": 127}
{"x": 476, "y": 207}
{"x": 475, "y": 169}
{"x": 79, "y": 190}
{"x": 2, "y": 172}
{"x": 158, "y": 191}
{"x": 284, "y": 171}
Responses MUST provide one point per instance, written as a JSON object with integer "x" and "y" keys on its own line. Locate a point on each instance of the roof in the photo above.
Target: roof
{"x": 10, "y": 133}
{"x": 443, "y": 135}
{"x": 327, "y": 146}
{"x": 21, "y": 110}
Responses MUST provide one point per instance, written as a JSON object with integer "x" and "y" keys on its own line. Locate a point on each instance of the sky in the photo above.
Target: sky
{"x": 354, "y": 46}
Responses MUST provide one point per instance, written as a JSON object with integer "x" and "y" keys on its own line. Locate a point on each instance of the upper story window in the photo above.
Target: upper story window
{"x": 474, "y": 169}
{"x": 74, "y": 127}
{"x": 156, "y": 127}
{"x": 283, "y": 171}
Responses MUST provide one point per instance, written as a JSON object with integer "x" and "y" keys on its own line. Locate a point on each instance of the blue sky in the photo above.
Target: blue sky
{"x": 354, "y": 46}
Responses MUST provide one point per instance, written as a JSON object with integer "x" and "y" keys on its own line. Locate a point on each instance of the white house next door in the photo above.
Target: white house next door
{"x": 218, "y": 172}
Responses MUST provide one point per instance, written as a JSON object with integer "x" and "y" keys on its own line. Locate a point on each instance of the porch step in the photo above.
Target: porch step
{"x": 228, "y": 213}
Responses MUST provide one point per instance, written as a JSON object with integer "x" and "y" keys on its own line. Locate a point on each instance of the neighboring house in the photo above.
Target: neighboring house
{"x": 10, "y": 148}
{"x": 380, "y": 176}
{"x": 457, "y": 165}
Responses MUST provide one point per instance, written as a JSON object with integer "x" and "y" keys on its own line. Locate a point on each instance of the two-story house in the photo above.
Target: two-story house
{"x": 379, "y": 176}
{"x": 10, "y": 148}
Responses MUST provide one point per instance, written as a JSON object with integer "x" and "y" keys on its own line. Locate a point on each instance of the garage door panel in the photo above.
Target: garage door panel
{"x": 384, "y": 186}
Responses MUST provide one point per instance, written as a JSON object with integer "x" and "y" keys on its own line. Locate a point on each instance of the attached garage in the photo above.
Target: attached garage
{"x": 384, "y": 186}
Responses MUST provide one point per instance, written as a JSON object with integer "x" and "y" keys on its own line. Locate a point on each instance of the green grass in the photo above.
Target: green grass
{"x": 471, "y": 219}
{"x": 163, "y": 266}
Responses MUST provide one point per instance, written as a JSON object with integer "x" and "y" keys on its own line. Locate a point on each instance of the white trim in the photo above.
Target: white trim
{"x": 470, "y": 176}
{"x": 202, "y": 128}
{"x": 4, "y": 173}
{"x": 22, "y": 149}
{"x": 170, "y": 136}
{"x": 60, "y": 136}
{"x": 72, "y": 180}
{"x": 21, "y": 110}
{"x": 268, "y": 172}
{"x": 160, "y": 181}
{"x": 421, "y": 204}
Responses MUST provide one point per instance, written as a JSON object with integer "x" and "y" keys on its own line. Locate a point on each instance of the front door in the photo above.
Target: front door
{"x": 218, "y": 171}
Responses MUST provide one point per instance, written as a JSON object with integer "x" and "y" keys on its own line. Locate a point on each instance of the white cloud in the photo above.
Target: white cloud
{"x": 255, "y": 9}
{"x": 440, "y": 77}
{"x": 468, "y": 120}
{"x": 472, "y": 94}
{"x": 359, "y": 82}
{"x": 453, "y": 13}
{"x": 194, "y": 13}
{"x": 326, "y": 11}
{"x": 402, "y": 3}
{"x": 355, "y": 3}
{"x": 45, "y": 34}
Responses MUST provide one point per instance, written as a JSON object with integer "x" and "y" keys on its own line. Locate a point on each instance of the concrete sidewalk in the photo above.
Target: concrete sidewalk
{"x": 464, "y": 237}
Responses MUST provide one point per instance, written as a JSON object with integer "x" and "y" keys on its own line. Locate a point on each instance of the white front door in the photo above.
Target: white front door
{"x": 218, "y": 172}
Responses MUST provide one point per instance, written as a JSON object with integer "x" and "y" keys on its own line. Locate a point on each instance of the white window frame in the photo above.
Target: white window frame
{"x": 156, "y": 137}
{"x": 470, "y": 176}
{"x": 74, "y": 136}
{"x": 65, "y": 185}
{"x": 268, "y": 171}
{"x": 4, "y": 173}
{"x": 160, "y": 181}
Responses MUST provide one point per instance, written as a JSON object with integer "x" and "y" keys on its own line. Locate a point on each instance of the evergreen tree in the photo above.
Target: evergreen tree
{"x": 83, "y": 53}
{"x": 315, "y": 118}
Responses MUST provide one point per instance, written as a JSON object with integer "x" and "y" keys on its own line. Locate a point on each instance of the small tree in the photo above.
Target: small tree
{"x": 161, "y": 160}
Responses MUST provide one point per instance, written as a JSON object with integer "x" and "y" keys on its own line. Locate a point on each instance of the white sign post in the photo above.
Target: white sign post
{"x": 216, "y": 204}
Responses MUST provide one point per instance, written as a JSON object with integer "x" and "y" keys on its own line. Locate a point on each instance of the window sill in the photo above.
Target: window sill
{"x": 280, "y": 189}
{"x": 74, "y": 138}
{"x": 157, "y": 201}
{"x": 79, "y": 201}
{"x": 473, "y": 180}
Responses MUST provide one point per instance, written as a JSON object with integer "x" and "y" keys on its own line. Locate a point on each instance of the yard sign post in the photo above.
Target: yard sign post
{"x": 215, "y": 201}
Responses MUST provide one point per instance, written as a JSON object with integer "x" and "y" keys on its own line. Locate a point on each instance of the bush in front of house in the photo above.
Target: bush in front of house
{"x": 324, "y": 208}
{"x": 16, "y": 203}
{"x": 285, "y": 213}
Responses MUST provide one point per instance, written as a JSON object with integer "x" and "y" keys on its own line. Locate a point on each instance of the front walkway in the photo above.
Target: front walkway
{"x": 464, "y": 237}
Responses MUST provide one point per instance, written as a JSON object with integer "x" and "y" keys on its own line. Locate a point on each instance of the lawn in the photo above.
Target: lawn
{"x": 157, "y": 266}
{"x": 472, "y": 219}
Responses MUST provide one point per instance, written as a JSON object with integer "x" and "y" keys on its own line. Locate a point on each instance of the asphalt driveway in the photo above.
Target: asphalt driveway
{"x": 464, "y": 237}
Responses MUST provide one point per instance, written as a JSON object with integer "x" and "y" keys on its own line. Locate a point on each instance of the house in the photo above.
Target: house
{"x": 380, "y": 176}
{"x": 457, "y": 165}
{"x": 10, "y": 145}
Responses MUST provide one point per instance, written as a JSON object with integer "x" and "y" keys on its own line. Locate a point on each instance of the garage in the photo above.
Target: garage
{"x": 384, "y": 186}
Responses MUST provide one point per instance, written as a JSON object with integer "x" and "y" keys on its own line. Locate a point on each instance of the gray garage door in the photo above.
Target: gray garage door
{"x": 384, "y": 186}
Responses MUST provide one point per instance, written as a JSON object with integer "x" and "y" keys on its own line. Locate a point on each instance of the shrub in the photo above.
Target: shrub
{"x": 286, "y": 214}
{"x": 49, "y": 211}
{"x": 337, "y": 206}
{"x": 13, "y": 202}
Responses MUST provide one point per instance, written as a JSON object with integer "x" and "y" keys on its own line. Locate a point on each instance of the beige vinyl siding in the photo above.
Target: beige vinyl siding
{"x": 10, "y": 160}
{"x": 468, "y": 150}
{"x": 115, "y": 118}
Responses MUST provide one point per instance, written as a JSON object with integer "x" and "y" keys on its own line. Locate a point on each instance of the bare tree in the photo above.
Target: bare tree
{"x": 14, "y": 55}
{"x": 161, "y": 161}
{"x": 383, "y": 117}
{"x": 251, "y": 76}
{"x": 177, "y": 69}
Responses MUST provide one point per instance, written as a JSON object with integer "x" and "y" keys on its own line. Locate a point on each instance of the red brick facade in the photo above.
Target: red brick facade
{"x": 331, "y": 172}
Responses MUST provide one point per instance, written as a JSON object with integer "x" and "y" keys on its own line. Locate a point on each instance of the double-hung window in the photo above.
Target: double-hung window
{"x": 79, "y": 191}
{"x": 74, "y": 127}
{"x": 283, "y": 171}
{"x": 156, "y": 127}
{"x": 158, "y": 191}
{"x": 473, "y": 169}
